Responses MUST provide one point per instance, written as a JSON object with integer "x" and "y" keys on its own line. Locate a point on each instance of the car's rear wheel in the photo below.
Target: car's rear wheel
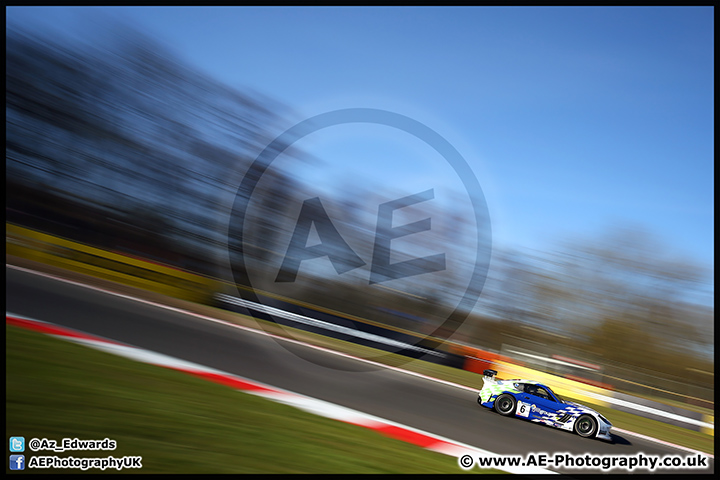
{"x": 585, "y": 426}
{"x": 505, "y": 404}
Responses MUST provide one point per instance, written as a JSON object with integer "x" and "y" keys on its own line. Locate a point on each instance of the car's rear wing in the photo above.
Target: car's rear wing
{"x": 491, "y": 376}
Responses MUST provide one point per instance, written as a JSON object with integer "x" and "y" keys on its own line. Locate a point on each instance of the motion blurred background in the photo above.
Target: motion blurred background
{"x": 116, "y": 142}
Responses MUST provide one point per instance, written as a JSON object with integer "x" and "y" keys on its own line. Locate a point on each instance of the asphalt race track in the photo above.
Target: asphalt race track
{"x": 434, "y": 407}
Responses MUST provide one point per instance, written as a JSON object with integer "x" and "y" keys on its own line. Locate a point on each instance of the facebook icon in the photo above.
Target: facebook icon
{"x": 17, "y": 462}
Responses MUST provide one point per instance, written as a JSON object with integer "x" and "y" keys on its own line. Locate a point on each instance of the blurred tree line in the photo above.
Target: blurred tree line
{"x": 123, "y": 147}
{"x": 618, "y": 300}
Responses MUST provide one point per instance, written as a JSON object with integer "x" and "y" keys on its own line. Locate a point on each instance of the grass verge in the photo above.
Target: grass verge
{"x": 180, "y": 424}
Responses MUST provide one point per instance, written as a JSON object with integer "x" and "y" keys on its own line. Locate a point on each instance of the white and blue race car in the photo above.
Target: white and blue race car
{"x": 538, "y": 403}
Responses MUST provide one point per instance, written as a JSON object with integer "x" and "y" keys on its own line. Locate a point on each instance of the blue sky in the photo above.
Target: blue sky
{"x": 574, "y": 120}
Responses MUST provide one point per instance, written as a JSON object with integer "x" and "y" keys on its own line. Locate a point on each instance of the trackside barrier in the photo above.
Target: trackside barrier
{"x": 342, "y": 328}
{"x": 59, "y": 252}
{"x": 710, "y": 419}
{"x": 665, "y": 413}
{"x": 477, "y": 360}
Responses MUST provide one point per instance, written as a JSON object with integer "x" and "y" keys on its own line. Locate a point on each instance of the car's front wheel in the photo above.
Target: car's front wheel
{"x": 505, "y": 404}
{"x": 585, "y": 426}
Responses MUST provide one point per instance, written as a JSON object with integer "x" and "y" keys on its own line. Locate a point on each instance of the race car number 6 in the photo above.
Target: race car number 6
{"x": 523, "y": 409}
